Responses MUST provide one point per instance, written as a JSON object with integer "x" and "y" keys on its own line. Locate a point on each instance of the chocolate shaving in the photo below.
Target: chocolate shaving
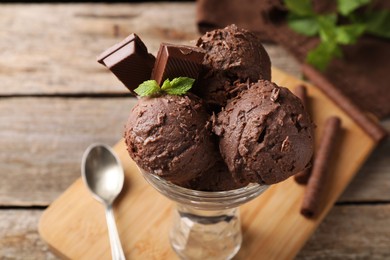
{"x": 373, "y": 129}
{"x": 315, "y": 186}
{"x": 275, "y": 94}
{"x": 302, "y": 177}
{"x": 285, "y": 145}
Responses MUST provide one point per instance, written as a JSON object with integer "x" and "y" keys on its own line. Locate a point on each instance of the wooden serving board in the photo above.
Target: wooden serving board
{"x": 74, "y": 225}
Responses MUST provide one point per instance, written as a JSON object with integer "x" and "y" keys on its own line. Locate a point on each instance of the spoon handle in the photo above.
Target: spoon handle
{"x": 116, "y": 247}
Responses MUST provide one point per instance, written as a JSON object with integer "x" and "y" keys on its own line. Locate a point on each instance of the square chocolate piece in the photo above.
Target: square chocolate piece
{"x": 177, "y": 61}
{"x": 129, "y": 60}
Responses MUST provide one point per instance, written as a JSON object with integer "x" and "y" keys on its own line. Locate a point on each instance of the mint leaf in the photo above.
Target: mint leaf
{"x": 304, "y": 20}
{"x": 327, "y": 27}
{"x": 166, "y": 85}
{"x": 304, "y": 25}
{"x": 320, "y": 56}
{"x": 180, "y": 86}
{"x": 148, "y": 88}
{"x": 348, "y": 34}
{"x": 345, "y": 7}
{"x": 378, "y": 23}
{"x": 299, "y": 7}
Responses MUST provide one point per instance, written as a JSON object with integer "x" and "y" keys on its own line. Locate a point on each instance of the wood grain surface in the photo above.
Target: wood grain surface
{"x": 45, "y": 61}
{"x": 42, "y": 141}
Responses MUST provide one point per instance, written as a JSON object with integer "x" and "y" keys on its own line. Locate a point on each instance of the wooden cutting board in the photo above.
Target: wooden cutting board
{"x": 74, "y": 225}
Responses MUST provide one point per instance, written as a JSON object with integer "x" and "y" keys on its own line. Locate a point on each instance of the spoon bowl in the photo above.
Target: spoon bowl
{"x": 102, "y": 172}
{"x": 103, "y": 175}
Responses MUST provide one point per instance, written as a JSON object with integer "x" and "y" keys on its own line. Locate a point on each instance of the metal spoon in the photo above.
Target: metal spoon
{"x": 103, "y": 174}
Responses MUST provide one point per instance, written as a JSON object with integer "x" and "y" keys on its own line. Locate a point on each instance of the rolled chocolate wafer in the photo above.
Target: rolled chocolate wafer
{"x": 129, "y": 60}
{"x": 177, "y": 61}
{"x": 303, "y": 176}
{"x": 373, "y": 129}
{"x": 314, "y": 189}
{"x": 301, "y": 92}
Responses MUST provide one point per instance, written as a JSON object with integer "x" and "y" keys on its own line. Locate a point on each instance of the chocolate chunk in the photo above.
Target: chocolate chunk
{"x": 275, "y": 94}
{"x": 129, "y": 60}
{"x": 177, "y": 61}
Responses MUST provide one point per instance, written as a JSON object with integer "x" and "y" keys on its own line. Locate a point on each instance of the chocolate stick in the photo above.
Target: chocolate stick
{"x": 303, "y": 176}
{"x": 372, "y": 129}
{"x": 301, "y": 92}
{"x": 315, "y": 186}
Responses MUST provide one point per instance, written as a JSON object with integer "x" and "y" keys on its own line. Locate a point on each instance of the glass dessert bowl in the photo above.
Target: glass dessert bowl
{"x": 206, "y": 225}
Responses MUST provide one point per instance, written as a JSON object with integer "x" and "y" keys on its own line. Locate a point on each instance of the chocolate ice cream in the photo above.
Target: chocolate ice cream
{"x": 218, "y": 178}
{"x": 233, "y": 56}
{"x": 170, "y": 136}
{"x": 265, "y": 134}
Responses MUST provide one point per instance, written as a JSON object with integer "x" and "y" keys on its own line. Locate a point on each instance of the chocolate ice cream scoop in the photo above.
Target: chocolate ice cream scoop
{"x": 218, "y": 178}
{"x": 170, "y": 136}
{"x": 265, "y": 134}
{"x": 233, "y": 56}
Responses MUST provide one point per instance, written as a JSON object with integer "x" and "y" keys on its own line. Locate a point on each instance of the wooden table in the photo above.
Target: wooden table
{"x": 55, "y": 100}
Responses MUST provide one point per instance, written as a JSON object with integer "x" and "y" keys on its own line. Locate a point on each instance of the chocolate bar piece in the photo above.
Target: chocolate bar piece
{"x": 177, "y": 61}
{"x": 129, "y": 60}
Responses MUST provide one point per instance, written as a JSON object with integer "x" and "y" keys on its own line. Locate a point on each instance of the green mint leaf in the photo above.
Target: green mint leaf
{"x": 327, "y": 27}
{"x": 166, "y": 85}
{"x": 320, "y": 56}
{"x": 180, "y": 86}
{"x": 348, "y": 34}
{"x": 304, "y": 25}
{"x": 378, "y": 22}
{"x": 299, "y": 7}
{"x": 148, "y": 88}
{"x": 304, "y": 20}
{"x": 345, "y": 7}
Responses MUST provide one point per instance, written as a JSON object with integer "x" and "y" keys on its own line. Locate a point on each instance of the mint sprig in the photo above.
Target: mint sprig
{"x": 299, "y": 7}
{"x": 377, "y": 23}
{"x": 148, "y": 88}
{"x": 346, "y": 7}
{"x": 178, "y": 86}
{"x": 303, "y": 19}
